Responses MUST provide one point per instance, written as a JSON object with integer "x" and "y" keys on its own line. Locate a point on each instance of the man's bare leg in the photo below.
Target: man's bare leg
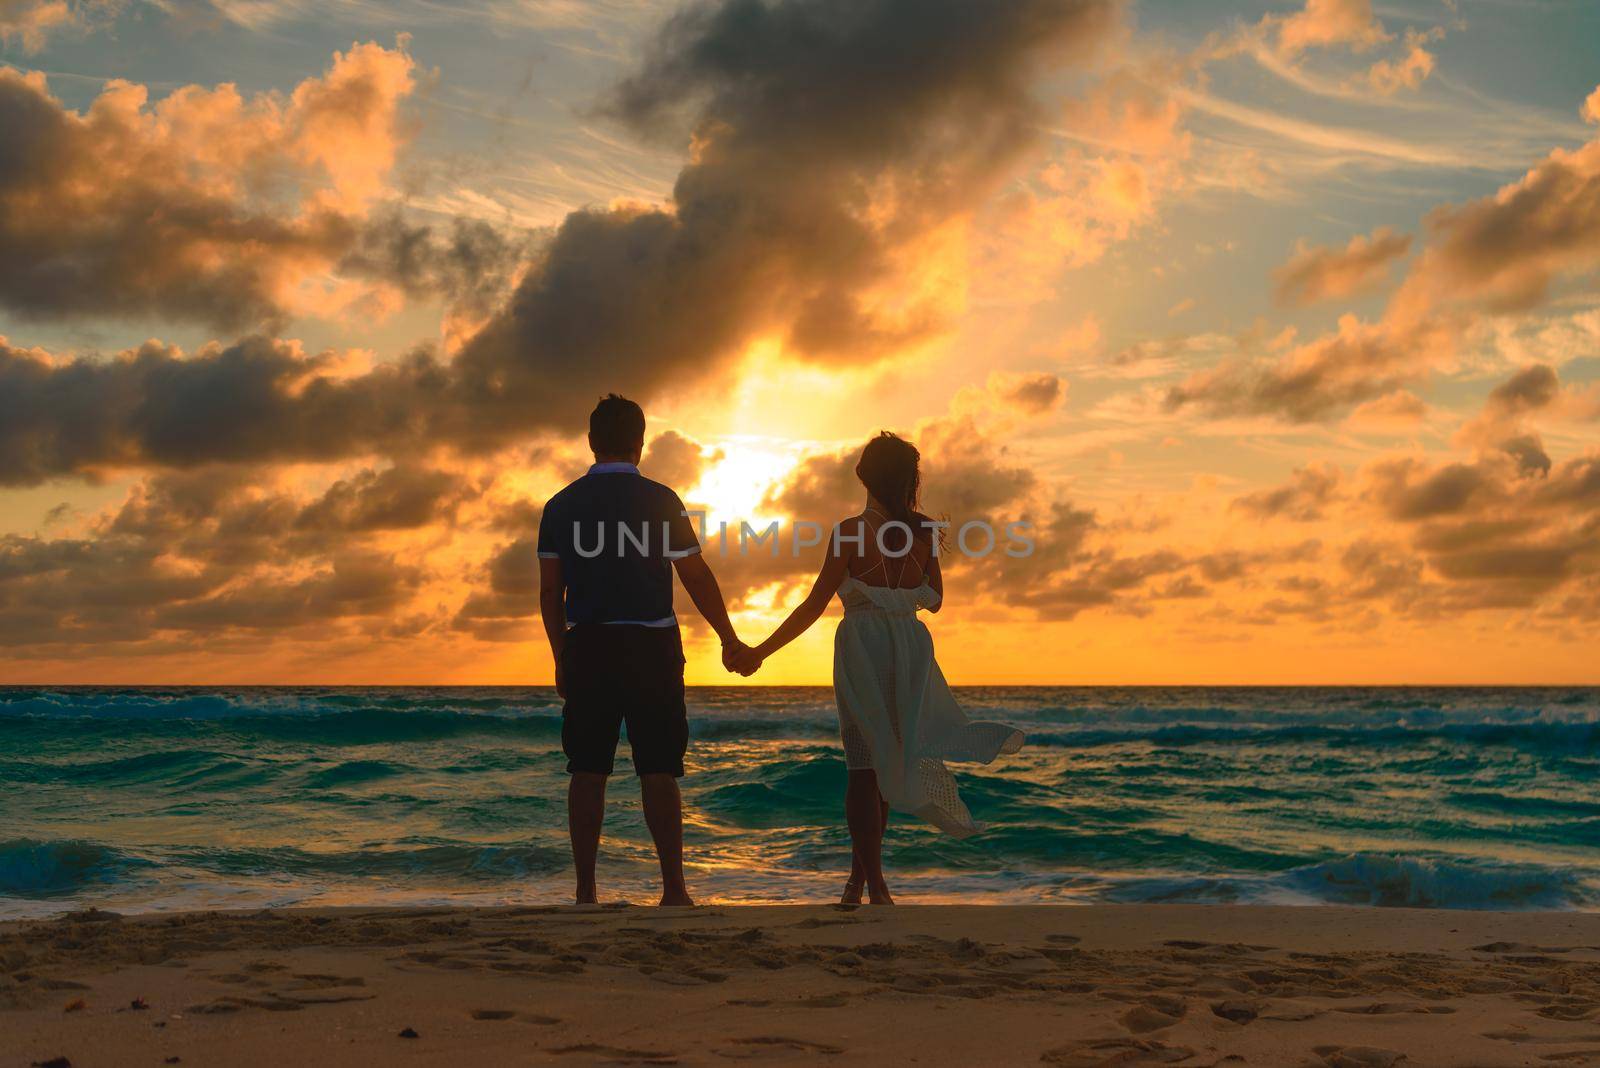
{"x": 586, "y": 811}
{"x": 663, "y": 813}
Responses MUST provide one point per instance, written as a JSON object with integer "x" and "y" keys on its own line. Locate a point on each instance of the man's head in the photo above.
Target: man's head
{"x": 616, "y": 430}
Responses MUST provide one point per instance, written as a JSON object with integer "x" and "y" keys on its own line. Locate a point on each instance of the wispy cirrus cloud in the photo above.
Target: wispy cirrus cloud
{"x": 1496, "y": 256}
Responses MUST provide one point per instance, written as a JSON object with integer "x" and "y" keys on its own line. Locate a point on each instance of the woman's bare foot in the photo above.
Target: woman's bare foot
{"x": 879, "y": 895}
{"x": 679, "y": 898}
{"x": 852, "y": 893}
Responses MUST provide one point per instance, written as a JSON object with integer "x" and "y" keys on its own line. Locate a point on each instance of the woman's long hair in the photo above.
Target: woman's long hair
{"x": 890, "y": 469}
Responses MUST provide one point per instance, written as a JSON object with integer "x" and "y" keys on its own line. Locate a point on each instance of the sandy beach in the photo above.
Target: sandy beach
{"x": 928, "y": 985}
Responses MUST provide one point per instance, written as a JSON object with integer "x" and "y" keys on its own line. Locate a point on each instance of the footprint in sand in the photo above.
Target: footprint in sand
{"x": 1153, "y": 1014}
{"x": 1095, "y": 1053}
{"x": 1520, "y": 1037}
{"x": 1359, "y": 1056}
{"x": 238, "y": 977}
{"x": 511, "y": 1014}
{"x": 313, "y": 981}
{"x": 1389, "y": 1008}
{"x": 1239, "y": 1012}
{"x": 1580, "y": 1010}
{"x": 616, "y": 1054}
{"x": 258, "y": 966}
{"x": 769, "y": 1045}
{"x": 225, "y": 1005}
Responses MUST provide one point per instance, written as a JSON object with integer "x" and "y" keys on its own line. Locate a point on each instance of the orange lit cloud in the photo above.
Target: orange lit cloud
{"x": 1321, "y": 273}
{"x": 1326, "y": 23}
{"x": 29, "y": 22}
{"x": 1408, "y": 71}
{"x": 217, "y": 208}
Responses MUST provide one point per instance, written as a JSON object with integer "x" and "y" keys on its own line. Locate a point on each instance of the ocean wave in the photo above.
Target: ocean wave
{"x": 1430, "y": 883}
{"x": 1428, "y": 798}
{"x": 1374, "y": 880}
{"x": 33, "y": 868}
{"x": 436, "y": 862}
{"x": 1578, "y": 738}
{"x": 370, "y": 725}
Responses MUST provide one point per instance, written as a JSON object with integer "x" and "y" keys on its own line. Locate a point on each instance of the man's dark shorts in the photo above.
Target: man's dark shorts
{"x": 622, "y": 672}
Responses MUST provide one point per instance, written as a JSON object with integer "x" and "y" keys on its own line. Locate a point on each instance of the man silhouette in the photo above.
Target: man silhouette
{"x": 608, "y": 544}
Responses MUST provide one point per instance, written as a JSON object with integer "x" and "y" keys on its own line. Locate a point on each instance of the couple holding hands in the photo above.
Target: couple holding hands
{"x": 619, "y": 657}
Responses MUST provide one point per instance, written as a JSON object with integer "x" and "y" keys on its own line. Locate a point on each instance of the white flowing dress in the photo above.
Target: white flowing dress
{"x": 897, "y": 715}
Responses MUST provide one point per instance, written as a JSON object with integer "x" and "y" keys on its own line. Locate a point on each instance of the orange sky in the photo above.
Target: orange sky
{"x": 1279, "y": 323}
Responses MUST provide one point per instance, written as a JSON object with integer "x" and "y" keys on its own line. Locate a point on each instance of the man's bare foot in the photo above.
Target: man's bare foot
{"x": 852, "y": 894}
{"x": 680, "y": 898}
{"x": 879, "y": 895}
{"x": 586, "y": 896}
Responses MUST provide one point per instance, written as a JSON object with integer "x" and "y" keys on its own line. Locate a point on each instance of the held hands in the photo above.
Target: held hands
{"x": 740, "y": 658}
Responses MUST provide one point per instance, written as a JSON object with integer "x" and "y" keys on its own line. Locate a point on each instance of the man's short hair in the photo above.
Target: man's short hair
{"x": 616, "y": 426}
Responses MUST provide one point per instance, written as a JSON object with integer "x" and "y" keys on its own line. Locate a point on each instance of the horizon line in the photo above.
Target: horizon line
{"x": 821, "y": 685}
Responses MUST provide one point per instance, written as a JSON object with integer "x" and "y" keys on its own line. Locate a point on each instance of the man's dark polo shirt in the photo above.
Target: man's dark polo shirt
{"x": 616, "y": 534}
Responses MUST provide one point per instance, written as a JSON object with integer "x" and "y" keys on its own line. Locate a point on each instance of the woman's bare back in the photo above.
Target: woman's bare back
{"x": 869, "y": 565}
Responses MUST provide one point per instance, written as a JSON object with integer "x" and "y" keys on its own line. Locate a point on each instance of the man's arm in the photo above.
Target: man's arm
{"x": 553, "y": 610}
{"x": 701, "y": 585}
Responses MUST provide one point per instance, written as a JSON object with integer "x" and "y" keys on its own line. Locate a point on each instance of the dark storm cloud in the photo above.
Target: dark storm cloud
{"x": 1304, "y": 499}
{"x": 256, "y": 400}
{"x": 506, "y": 608}
{"x": 676, "y": 460}
{"x": 1321, "y": 378}
{"x": 467, "y": 263}
{"x": 1509, "y": 249}
{"x": 1031, "y": 394}
{"x": 210, "y": 207}
{"x": 829, "y": 138}
{"x": 399, "y": 498}
{"x": 1528, "y": 390}
{"x": 1408, "y": 490}
{"x": 1317, "y": 273}
{"x": 1075, "y": 563}
{"x": 966, "y": 475}
{"x": 350, "y": 585}
{"x": 221, "y": 548}
{"x": 1498, "y": 533}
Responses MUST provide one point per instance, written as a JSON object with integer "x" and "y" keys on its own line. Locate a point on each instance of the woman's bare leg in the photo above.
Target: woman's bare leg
{"x": 867, "y": 816}
{"x": 858, "y": 879}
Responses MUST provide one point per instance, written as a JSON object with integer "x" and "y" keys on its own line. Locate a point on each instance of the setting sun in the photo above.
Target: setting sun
{"x": 743, "y": 471}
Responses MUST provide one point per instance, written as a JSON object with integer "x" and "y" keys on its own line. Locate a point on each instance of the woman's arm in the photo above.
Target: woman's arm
{"x": 808, "y": 611}
{"x": 936, "y": 581}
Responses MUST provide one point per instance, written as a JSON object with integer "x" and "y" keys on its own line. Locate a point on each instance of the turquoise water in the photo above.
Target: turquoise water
{"x": 140, "y": 799}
